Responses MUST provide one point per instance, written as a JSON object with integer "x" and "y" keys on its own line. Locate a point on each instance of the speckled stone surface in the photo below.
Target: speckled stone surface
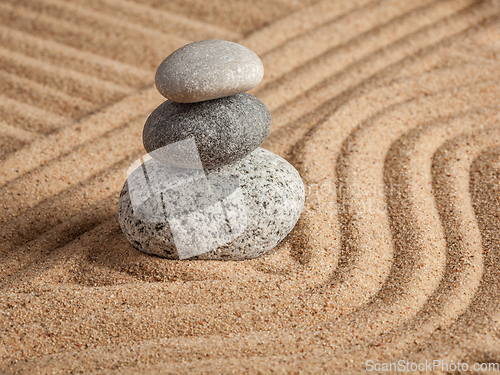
{"x": 225, "y": 129}
{"x": 264, "y": 197}
{"x": 208, "y": 69}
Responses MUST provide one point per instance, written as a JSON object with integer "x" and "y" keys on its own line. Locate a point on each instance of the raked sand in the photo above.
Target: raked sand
{"x": 390, "y": 111}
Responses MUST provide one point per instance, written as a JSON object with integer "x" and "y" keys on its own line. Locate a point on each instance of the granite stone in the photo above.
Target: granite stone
{"x": 225, "y": 129}
{"x": 208, "y": 69}
{"x": 235, "y": 212}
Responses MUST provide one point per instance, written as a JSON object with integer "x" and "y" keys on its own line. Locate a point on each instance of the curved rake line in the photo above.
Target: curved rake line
{"x": 296, "y": 129}
{"x": 326, "y": 196}
{"x": 319, "y": 102}
{"x": 331, "y": 134}
{"x": 464, "y": 268}
{"x": 475, "y": 268}
{"x": 484, "y": 179}
{"x": 333, "y": 243}
{"x": 411, "y": 284}
{"x": 481, "y": 315}
{"x": 159, "y": 19}
{"x": 287, "y": 69}
{"x": 372, "y": 243}
{"x": 290, "y": 129}
{"x": 462, "y": 231}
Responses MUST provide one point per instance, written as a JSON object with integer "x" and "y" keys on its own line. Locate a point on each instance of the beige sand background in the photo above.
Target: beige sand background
{"x": 389, "y": 109}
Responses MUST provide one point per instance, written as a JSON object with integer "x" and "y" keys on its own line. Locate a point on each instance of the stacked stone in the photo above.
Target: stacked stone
{"x": 209, "y": 191}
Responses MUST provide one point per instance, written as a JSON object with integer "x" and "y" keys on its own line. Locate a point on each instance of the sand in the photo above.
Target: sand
{"x": 390, "y": 111}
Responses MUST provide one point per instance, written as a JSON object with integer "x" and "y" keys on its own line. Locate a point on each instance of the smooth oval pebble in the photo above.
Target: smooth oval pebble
{"x": 225, "y": 129}
{"x": 260, "y": 196}
{"x": 208, "y": 69}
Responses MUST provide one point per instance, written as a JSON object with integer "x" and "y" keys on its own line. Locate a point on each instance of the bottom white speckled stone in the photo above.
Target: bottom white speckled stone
{"x": 263, "y": 206}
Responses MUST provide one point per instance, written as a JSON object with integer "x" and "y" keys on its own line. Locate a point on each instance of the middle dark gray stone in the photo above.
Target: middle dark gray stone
{"x": 225, "y": 129}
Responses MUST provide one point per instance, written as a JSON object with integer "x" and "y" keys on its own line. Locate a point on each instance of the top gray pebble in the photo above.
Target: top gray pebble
{"x": 208, "y": 69}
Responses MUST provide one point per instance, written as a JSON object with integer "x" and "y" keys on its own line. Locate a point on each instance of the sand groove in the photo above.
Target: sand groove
{"x": 20, "y": 134}
{"x": 70, "y": 137}
{"x": 188, "y": 28}
{"x": 389, "y": 110}
{"x": 459, "y": 291}
{"x": 451, "y": 169}
{"x": 88, "y": 88}
{"x": 314, "y": 105}
{"x": 30, "y": 118}
{"x": 331, "y": 36}
{"x": 75, "y": 59}
{"x": 109, "y": 42}
{"x": 282, "y": 31}
{"x": 423, "y": 271}
{"x": 362, "y": 192}
{"x": 39, "y": 95}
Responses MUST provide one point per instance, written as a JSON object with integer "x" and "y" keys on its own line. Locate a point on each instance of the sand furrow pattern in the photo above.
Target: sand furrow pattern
{"x": 356, "y": 193}
{"x": 390, "y": 111}
{"x": 88, "y": 88}
{"x": 462, "y": 303}
{"x": 314, "y": 105}
{"x": 332, "y": 36}
{"x": 432, "y": 283}
{"x": 44, "y": 49}
{"x": 452, "y": 166}
{"x": 30, "y": 118}
{"x": 282, "y": 31}
{"x": 77, "y": 27}
{"x": 367, "y": 250}
{"x": 72, "y": 136}
{"x": 261, "y": 313}
{"x": 44, "y": 97}
{"x": 14, "y": 132}
{"x": 46, "y": 182}
{"x": 167, "y": 22}
{"x": 484, "y": 311}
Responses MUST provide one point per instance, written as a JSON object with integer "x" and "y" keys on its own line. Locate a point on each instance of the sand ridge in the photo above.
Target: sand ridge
{"x": 388, "y": 109}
